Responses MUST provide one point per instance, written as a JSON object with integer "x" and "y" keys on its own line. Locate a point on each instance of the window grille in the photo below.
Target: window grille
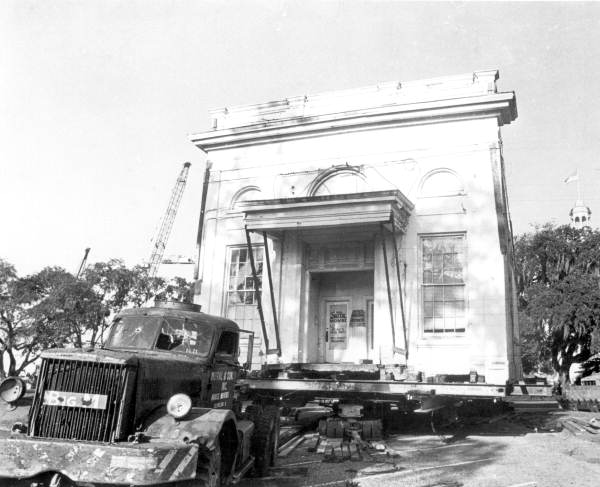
{"x": 241, "y": 292}
{"x": 443, "y": 284}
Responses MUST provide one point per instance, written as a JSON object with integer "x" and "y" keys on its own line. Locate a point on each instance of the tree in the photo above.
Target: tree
{"x": 37, "y": 312}
{"x": 558, "y": 281}
{"x": 118, "y": 287}
{"x": 178, "y": 289}
{"x": 53, "y": 308}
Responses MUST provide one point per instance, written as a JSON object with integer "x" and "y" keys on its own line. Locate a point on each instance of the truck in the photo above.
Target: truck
{"x": 159, "y": 403}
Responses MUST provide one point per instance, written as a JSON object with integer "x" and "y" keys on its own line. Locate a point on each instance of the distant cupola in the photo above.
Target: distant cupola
{"x": 580, "y": 215}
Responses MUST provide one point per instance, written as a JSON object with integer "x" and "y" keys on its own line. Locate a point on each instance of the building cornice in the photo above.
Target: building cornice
{"x": 501, "y": 106}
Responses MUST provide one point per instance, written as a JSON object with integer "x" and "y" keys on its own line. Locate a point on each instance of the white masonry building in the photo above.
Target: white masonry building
{"x": 380, "y": 214}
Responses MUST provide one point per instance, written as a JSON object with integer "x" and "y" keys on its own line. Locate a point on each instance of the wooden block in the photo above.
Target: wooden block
{"x": 322, "y": 445}
{"x": 312, "y": 443}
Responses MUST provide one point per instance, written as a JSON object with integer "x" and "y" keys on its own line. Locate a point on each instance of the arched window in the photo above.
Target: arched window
{"x": 339, "y": 180}
{"x": 245, "y": 194}
{"x": 441, "y": 182}
{"x": 576, "y": 219}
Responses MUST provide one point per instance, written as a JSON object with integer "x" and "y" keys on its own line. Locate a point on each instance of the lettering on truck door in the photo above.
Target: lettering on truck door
{"x": 222, "y": 380}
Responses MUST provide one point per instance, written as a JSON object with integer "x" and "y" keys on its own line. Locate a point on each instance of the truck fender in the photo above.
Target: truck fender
{"x": 15, "y": 419}
{"x": 201, "y": 426}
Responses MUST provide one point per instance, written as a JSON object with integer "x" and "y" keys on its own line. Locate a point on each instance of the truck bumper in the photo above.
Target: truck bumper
{"x": 86, "y": 463}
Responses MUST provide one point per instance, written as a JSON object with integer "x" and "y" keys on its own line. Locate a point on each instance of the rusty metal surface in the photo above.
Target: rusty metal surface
{"x": 169, "y": 455}
{"x": 88, "y": 402}
{"x": 202, "y": 425}
{"x": 17, "y": 414}
{"x": 120, "y": 464}
{"x": 379, "y": 388}
{"x": 199, "y": 317}
{"x": 160, "y": 374}
{"x": 82, "y": 400}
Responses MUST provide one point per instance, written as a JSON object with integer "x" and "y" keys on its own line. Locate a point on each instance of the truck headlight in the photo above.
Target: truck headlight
{"x": 179, "y": 405}
{"x": 12, "y": 389}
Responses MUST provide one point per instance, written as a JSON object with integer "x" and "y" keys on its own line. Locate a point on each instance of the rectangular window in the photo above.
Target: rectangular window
{"x": 241, "y": 290}
{"x": 443, "y": 284}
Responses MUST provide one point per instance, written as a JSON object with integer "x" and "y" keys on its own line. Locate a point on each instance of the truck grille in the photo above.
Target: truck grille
{"x": 106, "y": 380}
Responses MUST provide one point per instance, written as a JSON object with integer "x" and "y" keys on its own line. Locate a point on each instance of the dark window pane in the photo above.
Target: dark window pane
{"x": 427, "y": 277}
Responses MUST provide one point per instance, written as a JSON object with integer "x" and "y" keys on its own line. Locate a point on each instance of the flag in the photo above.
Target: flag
{"x": 572, "y": 177}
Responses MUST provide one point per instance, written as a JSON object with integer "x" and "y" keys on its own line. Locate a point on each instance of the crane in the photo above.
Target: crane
{"x": 162, "y": 236}
{"x": 83, "y": 263}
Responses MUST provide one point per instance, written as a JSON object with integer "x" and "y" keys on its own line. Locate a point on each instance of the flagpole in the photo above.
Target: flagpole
{"x": 578, "y": 187}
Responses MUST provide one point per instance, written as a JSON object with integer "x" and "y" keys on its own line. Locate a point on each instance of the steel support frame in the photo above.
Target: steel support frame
{"x": 356, "y": 388}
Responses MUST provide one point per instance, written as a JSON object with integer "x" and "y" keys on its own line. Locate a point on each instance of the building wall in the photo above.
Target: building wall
{"x": 397, "y": 158}
{"x": 391, "y": 159}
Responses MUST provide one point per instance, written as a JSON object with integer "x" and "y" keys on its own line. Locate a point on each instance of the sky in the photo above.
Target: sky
{"x": 98, "y": 98}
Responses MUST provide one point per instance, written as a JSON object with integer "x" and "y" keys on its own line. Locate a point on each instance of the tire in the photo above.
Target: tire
{"x": 265, "y": 441}
{"x": 209, "y": 467}
{"x": 253, "y": 412}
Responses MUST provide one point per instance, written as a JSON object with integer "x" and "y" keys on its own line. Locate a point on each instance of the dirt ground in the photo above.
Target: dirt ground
{"x": 507, "y": 450}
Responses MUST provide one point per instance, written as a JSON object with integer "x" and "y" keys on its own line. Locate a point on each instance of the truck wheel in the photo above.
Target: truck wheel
{"x": 253, "y": 412}
{"x": 265, "y": 441}
{"x": 209, "y": 467}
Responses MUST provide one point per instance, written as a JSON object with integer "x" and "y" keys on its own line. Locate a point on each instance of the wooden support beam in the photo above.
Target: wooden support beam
{"x": 272, "y": 293}
{"x": 389, "y": 291}
{"x": 257, "y": 290}
{"x": 400, "y": 288}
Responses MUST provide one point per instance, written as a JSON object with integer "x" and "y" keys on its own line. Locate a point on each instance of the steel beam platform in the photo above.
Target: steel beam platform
{"x": 382, "y": 389}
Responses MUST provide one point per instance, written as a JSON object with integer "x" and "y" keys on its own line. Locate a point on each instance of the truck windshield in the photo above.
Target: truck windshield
{"x": 162, "y": 333}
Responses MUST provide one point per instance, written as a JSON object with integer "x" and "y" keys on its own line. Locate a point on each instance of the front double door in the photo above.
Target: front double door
{"x": 346, "y": 304}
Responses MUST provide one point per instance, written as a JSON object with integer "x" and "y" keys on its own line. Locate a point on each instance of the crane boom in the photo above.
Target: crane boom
{"x": 161, "y": 238}
{"x": 83, "y": 263}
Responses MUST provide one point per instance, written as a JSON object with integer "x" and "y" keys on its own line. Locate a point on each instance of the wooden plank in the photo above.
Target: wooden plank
{"x": 290, "y": 446}
{"x": 585, "y": 425}
{"x": 322, "y": 445}
{"x": 572, "y": 427}
{"x": 286, "y": 433}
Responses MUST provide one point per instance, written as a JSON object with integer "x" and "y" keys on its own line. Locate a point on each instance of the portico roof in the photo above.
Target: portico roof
{"x": 315, "y": 215}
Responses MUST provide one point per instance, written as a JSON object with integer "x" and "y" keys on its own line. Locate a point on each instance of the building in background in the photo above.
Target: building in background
{"x": 382, "y": 216}
{"x": 580, "y": 215}
{"x": 173, "y": 266}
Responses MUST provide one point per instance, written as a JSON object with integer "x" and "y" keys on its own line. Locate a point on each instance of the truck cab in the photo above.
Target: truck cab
{"x": 158, "y": 402}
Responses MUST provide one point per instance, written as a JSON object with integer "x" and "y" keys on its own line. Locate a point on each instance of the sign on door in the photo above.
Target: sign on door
{"x": 338, "y": 325}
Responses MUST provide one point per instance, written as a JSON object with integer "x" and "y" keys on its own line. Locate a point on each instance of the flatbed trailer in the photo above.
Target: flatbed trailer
{"x": 296, "y": 385}
{"x": 384, "y": 389}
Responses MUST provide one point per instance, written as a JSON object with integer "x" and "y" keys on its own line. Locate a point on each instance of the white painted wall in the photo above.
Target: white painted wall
{"x": 390, "y": 159}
